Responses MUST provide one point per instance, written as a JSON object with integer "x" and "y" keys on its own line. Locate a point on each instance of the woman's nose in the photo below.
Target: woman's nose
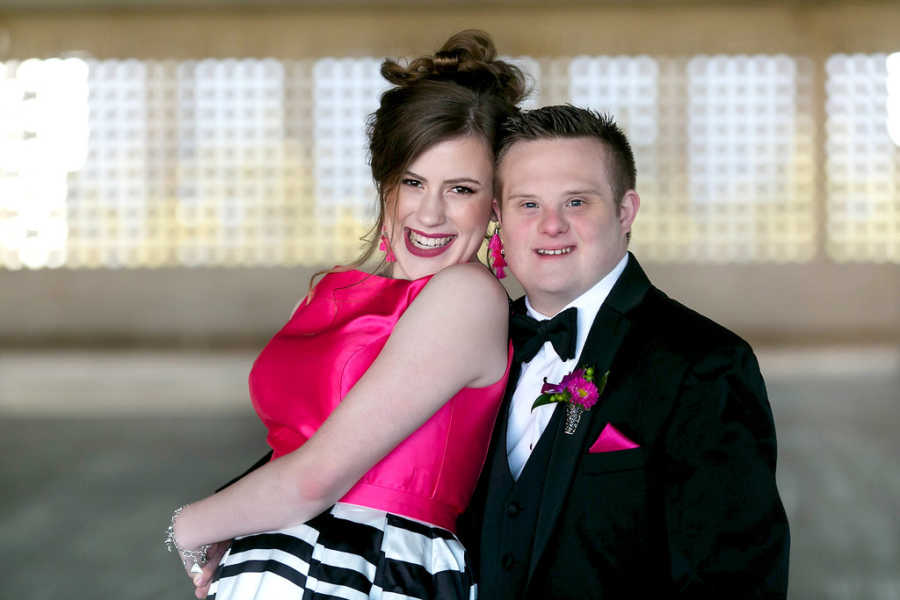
{"x": 431, "y": 210}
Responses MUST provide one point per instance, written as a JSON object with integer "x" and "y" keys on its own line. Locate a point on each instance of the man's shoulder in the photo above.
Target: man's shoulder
{"x": 666, "y": 315}
{"x": 682, "y": 329}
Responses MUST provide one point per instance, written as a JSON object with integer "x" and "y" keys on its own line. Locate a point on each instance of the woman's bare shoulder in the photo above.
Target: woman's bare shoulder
{"x": 462, "y": 312}
{"x": 469, "y": 286}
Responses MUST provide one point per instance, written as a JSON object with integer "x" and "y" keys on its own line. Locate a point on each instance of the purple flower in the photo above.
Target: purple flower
{"x": 581, "y": 391}
{"x": 577, "y": 388}
{"x": 552, "y": 388}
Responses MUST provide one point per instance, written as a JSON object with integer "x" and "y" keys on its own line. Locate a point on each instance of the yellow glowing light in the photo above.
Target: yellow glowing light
{"x": 54, "y": 112}
{"x": 893, "y": 97}
{"x": 11, "y": 132}
{"x": 43, "y": 140}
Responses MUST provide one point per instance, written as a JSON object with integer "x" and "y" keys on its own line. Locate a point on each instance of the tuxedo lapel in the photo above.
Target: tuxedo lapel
{"x": 606, "y": 336}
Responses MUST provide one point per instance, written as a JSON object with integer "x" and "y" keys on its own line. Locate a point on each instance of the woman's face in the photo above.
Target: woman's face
{"x": 441, "y": 207}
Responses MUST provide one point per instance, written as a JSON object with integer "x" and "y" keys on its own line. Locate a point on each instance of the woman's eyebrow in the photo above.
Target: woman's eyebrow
{"x": 464, "y": 179}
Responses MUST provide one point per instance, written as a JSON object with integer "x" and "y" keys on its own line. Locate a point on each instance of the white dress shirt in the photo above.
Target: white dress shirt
{"x": 525, "y": 425}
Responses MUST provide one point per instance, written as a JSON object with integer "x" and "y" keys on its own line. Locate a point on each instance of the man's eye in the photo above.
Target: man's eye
{"x": 576, "y": 202}
{"x": 461, "y": 189}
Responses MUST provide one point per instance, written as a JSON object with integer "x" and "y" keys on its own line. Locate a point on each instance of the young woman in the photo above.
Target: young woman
{"x": 381, "y": 391}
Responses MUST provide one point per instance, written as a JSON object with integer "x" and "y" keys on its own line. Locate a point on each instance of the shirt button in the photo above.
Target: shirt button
{"x": 507, "y": 561}
{"x": 513, "y": 509}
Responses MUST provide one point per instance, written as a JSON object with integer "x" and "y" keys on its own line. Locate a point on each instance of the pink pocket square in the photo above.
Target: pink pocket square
{"x": 611, "y": 440}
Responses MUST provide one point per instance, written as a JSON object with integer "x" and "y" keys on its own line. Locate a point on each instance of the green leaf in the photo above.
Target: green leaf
{"x": 602, "y": 383}
{"x": 544, "y": 399}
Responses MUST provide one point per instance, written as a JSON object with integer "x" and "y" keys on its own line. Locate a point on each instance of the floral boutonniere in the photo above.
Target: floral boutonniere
{"x": 578, "y": 390}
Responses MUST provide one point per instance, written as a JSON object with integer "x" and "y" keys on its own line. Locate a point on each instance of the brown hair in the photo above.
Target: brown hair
{"x": 460, "y": 90}
{"x": 567, "y": 121}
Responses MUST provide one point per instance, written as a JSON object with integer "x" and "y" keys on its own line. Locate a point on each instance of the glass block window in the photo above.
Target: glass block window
{"x": 724, "y": 149}
{"x": 230, "y": 161}
{"x": 127, "y": 163}
{"x": 345, "y": 92}
{"x": 750, "y": 156}
{"x": 552, "y": 75}
{"x": 863, "y": 157}
{"x": 628, "y": 89}
{"x": 291, "y": 227}
{"x": 43, "y": 138}
{"x": 112, "y": 195}
{"x": 625, "y": 87}
{"x": 531, "y": 67}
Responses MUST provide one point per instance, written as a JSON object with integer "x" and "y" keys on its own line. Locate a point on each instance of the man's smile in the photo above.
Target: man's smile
{"x": 554, "y": 251}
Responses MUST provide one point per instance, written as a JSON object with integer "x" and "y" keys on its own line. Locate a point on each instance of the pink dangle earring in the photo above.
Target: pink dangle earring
{"x": 495, "y": 253}
{"x": 385, "y": 247}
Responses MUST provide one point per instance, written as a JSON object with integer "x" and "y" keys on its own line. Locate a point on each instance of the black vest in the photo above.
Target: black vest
{"x": 510, "y": 517}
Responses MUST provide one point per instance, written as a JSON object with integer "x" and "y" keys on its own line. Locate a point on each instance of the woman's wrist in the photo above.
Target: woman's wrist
{"x": 192, "y": 558}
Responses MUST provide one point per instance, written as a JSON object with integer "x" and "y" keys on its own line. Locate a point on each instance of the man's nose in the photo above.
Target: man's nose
{"x": 552, "y": 222}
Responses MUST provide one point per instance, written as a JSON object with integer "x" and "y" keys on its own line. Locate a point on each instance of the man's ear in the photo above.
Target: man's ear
{"x": 495, "y": 211}
{"x": 628, "y": 209}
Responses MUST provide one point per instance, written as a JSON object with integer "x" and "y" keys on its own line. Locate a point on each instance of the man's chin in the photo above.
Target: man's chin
{"x": 549, "y": 294}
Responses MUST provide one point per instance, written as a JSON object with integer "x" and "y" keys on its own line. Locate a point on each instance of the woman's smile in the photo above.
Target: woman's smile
{"x": 424, "y": 244}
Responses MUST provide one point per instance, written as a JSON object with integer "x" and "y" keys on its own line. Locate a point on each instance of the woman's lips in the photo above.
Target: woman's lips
{"x": 416, "y": 250}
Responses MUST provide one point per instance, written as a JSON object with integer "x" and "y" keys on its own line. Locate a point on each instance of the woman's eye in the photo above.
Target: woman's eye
{"x": 529, "y": 204}
{"x": 461, "y": 189}
{"x": 411, "y": 182}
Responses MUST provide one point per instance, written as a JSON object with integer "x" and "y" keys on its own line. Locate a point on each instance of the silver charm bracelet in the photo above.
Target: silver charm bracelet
{"x": 198, "y": 557}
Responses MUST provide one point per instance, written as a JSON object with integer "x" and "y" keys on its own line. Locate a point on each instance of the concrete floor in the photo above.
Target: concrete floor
{"x": 97, "y": 448}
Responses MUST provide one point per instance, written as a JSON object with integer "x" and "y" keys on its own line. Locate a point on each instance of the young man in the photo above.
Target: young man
{"x": 666, "y": 488}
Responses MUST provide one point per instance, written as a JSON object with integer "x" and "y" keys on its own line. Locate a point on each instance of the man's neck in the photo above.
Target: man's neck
{"x": 550, "y": 305}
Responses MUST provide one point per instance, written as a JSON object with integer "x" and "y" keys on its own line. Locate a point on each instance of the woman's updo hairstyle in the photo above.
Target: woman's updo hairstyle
{"x": 469, "y": 59}
{"x": 461, "y": 90}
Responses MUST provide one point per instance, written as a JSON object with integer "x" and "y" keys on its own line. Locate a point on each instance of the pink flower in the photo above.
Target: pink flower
{"x": 577, "y": 388}
{"x": 581, "y": 390}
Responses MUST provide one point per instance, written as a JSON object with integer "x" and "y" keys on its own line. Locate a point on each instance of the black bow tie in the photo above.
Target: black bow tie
{"x": 528, "y": 335}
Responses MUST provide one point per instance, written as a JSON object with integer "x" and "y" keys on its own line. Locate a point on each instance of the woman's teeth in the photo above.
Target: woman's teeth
{"x": 429, "y": 242}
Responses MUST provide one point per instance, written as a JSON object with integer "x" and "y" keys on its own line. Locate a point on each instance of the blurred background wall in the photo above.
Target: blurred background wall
{"x": 172, "y": 173}
{"x": 769, "y": 180}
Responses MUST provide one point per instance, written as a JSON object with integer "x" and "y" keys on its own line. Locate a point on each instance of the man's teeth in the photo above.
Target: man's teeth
{"x": 429, "y": 242}
{"x": 554, "y": 252}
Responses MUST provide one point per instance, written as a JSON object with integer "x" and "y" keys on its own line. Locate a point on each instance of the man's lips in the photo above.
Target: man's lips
{"x": 442, "y": 241}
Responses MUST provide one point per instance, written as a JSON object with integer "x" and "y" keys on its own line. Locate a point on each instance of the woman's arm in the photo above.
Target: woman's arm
{"x": 452, "y": 336}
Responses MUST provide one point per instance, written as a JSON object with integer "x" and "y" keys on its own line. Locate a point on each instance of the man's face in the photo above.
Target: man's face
{"x": 561, "y": 228}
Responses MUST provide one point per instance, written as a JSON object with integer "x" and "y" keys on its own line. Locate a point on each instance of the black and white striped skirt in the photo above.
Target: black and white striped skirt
{"x": 350, "y": 552}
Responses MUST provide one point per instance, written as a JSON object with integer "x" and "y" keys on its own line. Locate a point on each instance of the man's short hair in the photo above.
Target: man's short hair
{"x": 567, "y": 121}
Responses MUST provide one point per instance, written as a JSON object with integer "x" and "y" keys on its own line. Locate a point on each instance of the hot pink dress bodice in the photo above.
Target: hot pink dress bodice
{"x": 329, "y": 342}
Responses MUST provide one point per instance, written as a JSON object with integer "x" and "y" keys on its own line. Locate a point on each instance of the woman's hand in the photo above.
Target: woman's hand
{"x": 202, "y": 580}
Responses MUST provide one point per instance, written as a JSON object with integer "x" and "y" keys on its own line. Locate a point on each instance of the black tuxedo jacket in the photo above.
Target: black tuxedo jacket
{"x": 694, "y": 511}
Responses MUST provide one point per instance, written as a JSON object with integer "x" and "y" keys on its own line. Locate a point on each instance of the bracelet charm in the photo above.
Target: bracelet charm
{"x": 197, "y": 557}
